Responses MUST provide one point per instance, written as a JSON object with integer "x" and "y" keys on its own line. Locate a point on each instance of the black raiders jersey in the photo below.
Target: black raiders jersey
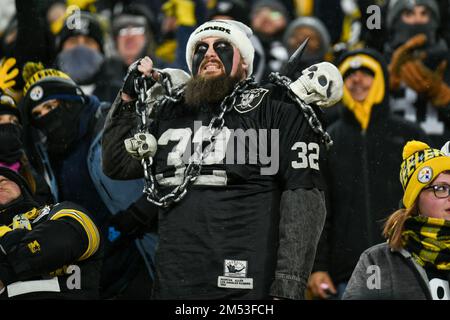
{"x": 220, "y": 240}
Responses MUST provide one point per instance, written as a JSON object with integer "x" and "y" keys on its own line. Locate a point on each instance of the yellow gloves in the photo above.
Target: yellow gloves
{"x": 8, "y": 73}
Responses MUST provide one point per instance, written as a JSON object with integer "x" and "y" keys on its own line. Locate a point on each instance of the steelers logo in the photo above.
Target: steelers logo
{"x": 36, "y": 93}
{"x": 425, "y": 175}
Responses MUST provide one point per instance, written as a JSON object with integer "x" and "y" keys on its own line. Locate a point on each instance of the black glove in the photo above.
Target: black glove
{"x": 139, "y": 218}
{"x": 10, "y": 240}
{"x": 133, "y": 74}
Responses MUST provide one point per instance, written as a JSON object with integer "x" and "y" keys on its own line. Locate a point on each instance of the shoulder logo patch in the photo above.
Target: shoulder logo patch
{"x": 250, "y": 99}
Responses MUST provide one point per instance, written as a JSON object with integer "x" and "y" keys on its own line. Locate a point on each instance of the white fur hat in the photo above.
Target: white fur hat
{"x": 237, "y": 33}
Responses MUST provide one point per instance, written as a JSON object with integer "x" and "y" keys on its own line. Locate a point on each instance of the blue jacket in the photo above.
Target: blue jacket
{"x": 79, "y": 178}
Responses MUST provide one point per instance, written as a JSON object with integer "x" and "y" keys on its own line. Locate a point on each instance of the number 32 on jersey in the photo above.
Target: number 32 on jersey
{"x": 308, "y": 155}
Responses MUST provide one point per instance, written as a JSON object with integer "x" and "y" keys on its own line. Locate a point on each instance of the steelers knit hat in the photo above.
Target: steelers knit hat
{"x": 45, "y": 84}
{"x": 421, "y": 165}
{"x": 234, "y": 31}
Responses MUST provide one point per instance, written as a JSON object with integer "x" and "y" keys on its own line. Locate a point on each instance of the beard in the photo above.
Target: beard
{"x": 205, "y": 94}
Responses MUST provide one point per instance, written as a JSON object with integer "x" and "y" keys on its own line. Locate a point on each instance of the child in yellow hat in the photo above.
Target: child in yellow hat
{"x": 415, "y": 261}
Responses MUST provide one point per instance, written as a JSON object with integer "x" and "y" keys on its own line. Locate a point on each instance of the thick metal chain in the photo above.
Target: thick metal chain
{"x": 194, "y": 167}
{"x": 309, "y": 113}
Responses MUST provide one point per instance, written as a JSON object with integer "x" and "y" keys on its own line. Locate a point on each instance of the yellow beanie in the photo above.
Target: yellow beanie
{"x": 421, "y": 165}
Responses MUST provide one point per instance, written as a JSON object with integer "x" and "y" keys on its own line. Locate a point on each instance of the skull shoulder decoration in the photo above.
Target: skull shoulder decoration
{"x": 320, "y": 84}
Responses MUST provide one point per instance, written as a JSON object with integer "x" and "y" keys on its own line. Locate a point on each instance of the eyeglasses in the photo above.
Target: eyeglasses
{"x": 440, "y": 191}
{"x": 132, "y": 31}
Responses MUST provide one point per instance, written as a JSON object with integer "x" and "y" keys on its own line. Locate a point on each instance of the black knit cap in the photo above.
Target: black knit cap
{"x": 134, "y": 14}
{"x": 17, "y": 178}
{"x": 25, "y": 202}
{"x": 46, "y": 84}
{"x": 237, "y": 9}
{"x": 8, "y": 105}
{"x": 81, "y": 23}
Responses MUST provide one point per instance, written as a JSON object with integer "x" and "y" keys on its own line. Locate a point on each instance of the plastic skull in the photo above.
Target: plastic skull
{"x": 320, "y": 84}
{"x": 142, "y": 145}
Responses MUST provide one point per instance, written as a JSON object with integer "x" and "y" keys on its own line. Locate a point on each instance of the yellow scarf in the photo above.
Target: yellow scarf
{"x": 363, "y": 110}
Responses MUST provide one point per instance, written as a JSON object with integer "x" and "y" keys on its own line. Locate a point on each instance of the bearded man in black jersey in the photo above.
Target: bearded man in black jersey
{"x": 245, "y": 222}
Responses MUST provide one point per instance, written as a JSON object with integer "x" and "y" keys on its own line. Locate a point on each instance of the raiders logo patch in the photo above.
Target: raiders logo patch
{"x": 250, "y": 99}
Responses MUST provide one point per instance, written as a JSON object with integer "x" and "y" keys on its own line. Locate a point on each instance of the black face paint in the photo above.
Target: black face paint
{"x": 224, "y": 51}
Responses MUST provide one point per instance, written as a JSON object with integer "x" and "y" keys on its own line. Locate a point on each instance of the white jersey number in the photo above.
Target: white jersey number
{"x": 308, "y": 155}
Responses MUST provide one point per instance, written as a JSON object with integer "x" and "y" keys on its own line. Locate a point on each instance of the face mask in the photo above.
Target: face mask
{"x": 80, "y": 63}
{"x": 403, "y": 32}
{"x": 60, "y": 126}
{"x": 11, "y": 143}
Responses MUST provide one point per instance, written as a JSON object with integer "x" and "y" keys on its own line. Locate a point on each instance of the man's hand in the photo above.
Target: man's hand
{"x": 140, "y": 68}
{"x": 401, "y": 55}
{"x": 321, "y": 285}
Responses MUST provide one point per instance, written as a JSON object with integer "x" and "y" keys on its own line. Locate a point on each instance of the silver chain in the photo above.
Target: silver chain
{"x": 194, "y": 167}
{"x": 309, "y": 113}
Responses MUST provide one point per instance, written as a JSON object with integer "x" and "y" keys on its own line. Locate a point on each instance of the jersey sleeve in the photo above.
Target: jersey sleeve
{"x": 299, "y": 148}
{"x": 67, "y": 236}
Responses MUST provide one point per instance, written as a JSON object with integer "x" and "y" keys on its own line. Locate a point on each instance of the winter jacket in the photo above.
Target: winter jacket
{"x": 361, "y": 170}
{"x": 384, "y": 273}
{"x": 58, "y": 257}
{"x": 236, "y": 233}
{"x": 79, "y": 177}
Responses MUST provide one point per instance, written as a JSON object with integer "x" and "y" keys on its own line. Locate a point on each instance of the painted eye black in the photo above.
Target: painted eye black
{"x": 201, "y": 48}
{"x": 221, "y": 45}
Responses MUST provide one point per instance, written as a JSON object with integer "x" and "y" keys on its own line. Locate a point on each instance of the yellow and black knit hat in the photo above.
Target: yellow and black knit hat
{"x": 44, "y": 84}
{"x": 421, "y": 165}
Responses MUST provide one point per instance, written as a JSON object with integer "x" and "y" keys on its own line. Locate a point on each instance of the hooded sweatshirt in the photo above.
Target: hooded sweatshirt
{"x": 361, "y": 170}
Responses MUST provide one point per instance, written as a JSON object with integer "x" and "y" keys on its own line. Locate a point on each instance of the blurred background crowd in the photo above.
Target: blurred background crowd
{"x": 73, "y": 55}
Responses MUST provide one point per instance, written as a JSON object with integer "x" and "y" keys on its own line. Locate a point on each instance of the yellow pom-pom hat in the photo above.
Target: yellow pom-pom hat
{"x": 421, "y": 165}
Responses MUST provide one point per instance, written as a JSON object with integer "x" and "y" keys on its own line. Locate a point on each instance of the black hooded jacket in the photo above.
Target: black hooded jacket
{"x": 361, "y": 171}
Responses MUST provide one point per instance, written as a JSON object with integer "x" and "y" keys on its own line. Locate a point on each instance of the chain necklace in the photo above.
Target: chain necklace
{"x": 309, "y": 113}
{"x": 194, "y": 167}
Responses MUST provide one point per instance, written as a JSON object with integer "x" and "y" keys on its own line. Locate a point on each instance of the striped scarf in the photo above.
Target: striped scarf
{"x": 428, "y": 240}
